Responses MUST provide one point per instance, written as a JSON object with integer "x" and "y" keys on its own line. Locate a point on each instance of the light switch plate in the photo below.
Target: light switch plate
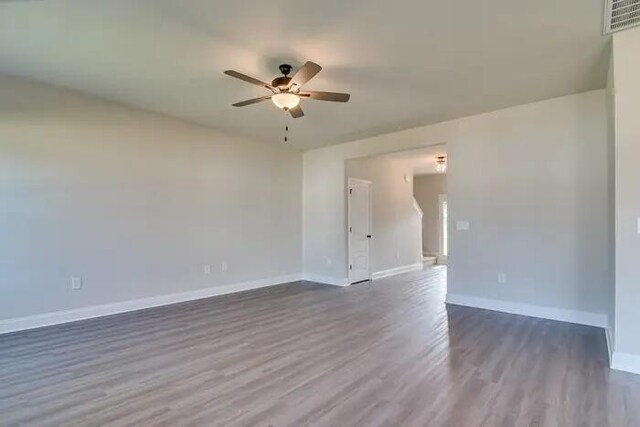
{"x": 76, "y": 283}
{"x": 462, "y": 225}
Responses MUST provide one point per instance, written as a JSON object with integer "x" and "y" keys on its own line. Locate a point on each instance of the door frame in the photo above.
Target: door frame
{"x": 370, "y": 184}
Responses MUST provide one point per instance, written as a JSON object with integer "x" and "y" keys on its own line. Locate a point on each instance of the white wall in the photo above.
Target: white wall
{"x": 135, "y": 203}
{"x": 626, "y": 66}
{"x": 396, "y": 224}
{"x": 426, "y": 189}
{"x": 532, "y": 181}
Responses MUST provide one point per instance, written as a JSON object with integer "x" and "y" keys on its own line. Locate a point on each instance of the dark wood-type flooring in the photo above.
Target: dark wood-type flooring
{"x": 384, "y": 353}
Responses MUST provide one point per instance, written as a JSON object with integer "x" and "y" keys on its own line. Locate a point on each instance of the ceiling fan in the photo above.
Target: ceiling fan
{"x": 285, "y": 90}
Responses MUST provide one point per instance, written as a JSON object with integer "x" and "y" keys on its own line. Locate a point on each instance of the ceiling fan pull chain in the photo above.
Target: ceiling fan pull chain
{"x": 286, "y": 133}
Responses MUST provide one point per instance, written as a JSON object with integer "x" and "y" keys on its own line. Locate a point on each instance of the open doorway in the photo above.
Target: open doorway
{"x": 430, "y": 191}
{"x": 397, "y": 234}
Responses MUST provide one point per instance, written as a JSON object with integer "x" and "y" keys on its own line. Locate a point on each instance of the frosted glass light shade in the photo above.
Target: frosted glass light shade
{"x": 285, "y": 101}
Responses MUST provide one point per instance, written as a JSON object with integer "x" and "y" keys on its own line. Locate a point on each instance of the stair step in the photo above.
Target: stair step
{"x": 429, "y": 260}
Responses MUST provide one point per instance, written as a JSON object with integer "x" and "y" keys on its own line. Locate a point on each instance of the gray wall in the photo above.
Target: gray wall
{"x": 626, "y": 49}
{"x": 135, "y": 203}
{"x": 532, "y": 181}
{"x": 396, "y": 224}
{"x": 426, "y": 189}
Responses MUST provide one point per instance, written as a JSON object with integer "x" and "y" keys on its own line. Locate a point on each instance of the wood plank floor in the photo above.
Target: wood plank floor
{"x": 388, "y": 353}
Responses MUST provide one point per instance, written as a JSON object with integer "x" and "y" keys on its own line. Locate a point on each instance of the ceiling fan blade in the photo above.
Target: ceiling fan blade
{"x": 251, "y": 101}
{"x": 326, "y": 96}
{"x": 305, "y": 73}
{"x": 296, "y": 111}
{"x": 248, "y": 79}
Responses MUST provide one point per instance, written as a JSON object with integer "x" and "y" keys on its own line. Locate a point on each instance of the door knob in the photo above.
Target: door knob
{"x": 368, "y": 236}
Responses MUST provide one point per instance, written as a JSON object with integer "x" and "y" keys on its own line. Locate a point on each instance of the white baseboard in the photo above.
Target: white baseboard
{"x": 58, "y": 317}
{"x": 329, "y": 280}
{"x": 552, "y": 313}
{"x": 626, "y": 362}
{"x": 396, "y": 270}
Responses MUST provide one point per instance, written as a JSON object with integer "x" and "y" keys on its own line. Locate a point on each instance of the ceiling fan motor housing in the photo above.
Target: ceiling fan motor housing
{"x": 280, "y": 82}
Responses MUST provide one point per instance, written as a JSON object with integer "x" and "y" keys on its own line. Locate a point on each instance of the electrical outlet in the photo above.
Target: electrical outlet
{"x": 207, "y": 269}
{"x": 329, "y": 261}
{"x": 76, "y": 283}
{"x": 462, "y": 225}
{"x": 397, "y": 254}
{"x": 502, "y": 278}
{"x": 224, "y": 267}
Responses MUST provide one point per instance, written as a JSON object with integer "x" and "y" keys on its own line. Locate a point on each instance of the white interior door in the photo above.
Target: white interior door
{"x": 359, "y": 214}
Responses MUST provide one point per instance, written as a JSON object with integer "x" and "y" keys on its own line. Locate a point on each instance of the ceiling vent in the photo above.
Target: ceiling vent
{"x": 620, "y": 15}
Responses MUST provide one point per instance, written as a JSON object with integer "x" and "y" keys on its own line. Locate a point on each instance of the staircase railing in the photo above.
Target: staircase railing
{"x": 416, "y": 206}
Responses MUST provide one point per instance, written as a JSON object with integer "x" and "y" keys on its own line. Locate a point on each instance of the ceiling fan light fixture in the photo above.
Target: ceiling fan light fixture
{"x": 286, "y": 100}
{"x": 441, "y": 164}
{"x": 285, "y": 91}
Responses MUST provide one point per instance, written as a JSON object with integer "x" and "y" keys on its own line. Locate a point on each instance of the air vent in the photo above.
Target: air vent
{"x": 620, "y": 15}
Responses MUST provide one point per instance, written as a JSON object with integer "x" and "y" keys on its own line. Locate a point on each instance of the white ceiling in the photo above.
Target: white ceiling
{"x": 405, "y": 62}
